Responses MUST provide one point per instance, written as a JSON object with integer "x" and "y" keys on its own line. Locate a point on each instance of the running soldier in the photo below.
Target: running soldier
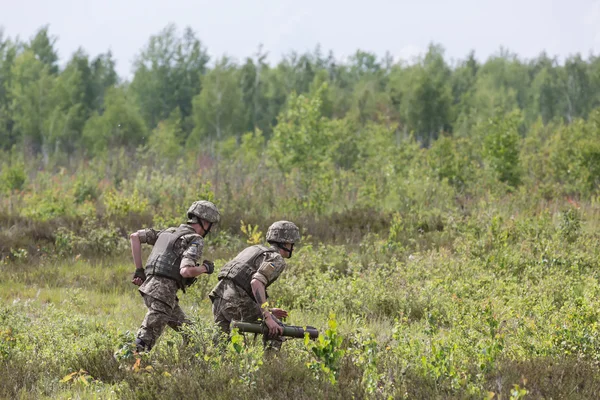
{"x": 172, "y": 265}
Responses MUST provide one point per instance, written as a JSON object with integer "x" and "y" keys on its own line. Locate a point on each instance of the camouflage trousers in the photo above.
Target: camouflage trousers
{"x": 224, "y": 312}
{"x": 158, "y": 316}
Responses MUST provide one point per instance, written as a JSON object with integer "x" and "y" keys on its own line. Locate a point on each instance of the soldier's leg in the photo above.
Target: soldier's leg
{"x": 154, "y": 323}
{"x": 177, "y": 320}
{"x": 274, "y": 344}
{"x": 222, "y": 314}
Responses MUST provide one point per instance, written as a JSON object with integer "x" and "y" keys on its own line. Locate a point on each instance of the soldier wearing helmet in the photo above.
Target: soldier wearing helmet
{"x": 241, "y": 293}
{"x": 173, "y": 264}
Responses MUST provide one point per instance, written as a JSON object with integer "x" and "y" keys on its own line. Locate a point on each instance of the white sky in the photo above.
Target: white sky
{"x": 236, "y": 28}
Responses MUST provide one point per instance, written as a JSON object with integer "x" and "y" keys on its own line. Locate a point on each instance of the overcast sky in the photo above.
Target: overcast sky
{"x": 236, "y": 28}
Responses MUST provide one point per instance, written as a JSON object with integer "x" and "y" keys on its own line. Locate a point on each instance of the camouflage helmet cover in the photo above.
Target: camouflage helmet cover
{"x": 203, "y": 209}
{"x": 283, "y": 232}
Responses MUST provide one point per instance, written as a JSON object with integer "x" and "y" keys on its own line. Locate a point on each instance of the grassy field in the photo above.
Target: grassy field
{"x": 501, "y": 303}
{"x": 467, "y": 269}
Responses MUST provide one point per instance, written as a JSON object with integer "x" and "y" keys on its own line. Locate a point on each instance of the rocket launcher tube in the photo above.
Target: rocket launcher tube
{"x": 288, "y": 330}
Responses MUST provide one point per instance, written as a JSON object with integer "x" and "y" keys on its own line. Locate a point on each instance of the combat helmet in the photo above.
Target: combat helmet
{"x": 205, "y": 210}
{"x": 281, "y": 232}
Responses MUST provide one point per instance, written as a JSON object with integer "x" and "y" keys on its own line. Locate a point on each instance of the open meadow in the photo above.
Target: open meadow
{"x": 442, "y": 295}
{"x": 450, "y": 221}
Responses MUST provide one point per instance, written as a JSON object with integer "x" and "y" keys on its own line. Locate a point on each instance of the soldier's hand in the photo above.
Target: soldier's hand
{"x": 210, "y": 266}
{"x": 279, "y": 313}
{"x": 137, "y": 281}
{"x": 139, "y": 276}
{"x": 274, "y": 328}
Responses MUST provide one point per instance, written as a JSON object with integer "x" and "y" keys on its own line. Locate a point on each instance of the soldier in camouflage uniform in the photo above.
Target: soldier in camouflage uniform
{"x": 241, "y": 292}
{"x": 172, "y": 265}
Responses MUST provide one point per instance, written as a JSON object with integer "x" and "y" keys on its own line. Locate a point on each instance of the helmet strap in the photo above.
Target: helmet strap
{"x": 207, "y": 231}
{"x": 282, "y": 246}
{"x": 200, "y": 222}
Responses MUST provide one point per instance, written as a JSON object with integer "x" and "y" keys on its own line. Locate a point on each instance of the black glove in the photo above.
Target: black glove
{"x": 139, "y": 273}
{"x": 210, "y": 266}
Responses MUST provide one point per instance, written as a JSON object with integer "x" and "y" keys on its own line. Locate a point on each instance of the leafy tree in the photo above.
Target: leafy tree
{"x": 548, "y": 94}
{"x": 8, "y": 53}
{"x": 167, "y": 74}
{"x": 165, "y": 140}
{"x": 501, "y": 147}
{"x": 252, "y": 80}
{"x": 428, "y": 100}
{"x": 327, "y": 93}
{"x": 501, "y": 87}
{"x": 42, "y": 45}
{"x": 104, "y": 76}
{"x": 191, "y": 59}
{"x": 276, "y": 92}
{"x": 64, "y": 124}
{"x": 579, "y": 93}
{"x": 217, "y": 109}
{"x": 463, "y": 81}
{"x": 31, "y": 93}
{"x": 594, "y": 74}
{"x": 573, "y": 155}
{"x": 364, "y": 65}
{"x": 311, "y": 111}
{"x": 369, "y": 103}
{"x": 251, "y": 149}
{"x": 345, "y": 143}
{"x": 298, "y": 70}
{"x": 301, "y": 138}
{"x": 452, "y": 159}
{"x": 80, "y": 62}
{"x": 119, "y": 126}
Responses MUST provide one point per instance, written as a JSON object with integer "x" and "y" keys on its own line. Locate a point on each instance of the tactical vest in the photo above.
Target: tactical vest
{"x": 241, "y": 269}
{"x": 163, "y": 260}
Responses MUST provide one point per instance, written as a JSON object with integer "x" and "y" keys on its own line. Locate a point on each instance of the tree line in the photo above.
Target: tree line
{"x": 178, "y": 98}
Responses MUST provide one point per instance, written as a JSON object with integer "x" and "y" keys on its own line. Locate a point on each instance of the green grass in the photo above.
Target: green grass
{"x": 436, "y": 295}
{"x": 509, "y": 301}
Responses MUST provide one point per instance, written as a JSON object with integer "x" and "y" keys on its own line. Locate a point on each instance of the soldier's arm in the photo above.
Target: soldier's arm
{"x": 269, "y": 270}
{"x": 136, "y": 249}
{"x": 193, "y": 271}
{"x": 260, "y": 295}
{"x": 267, "y": 273}
{"x": 136, "y": 239}
{"x": 258, "y": 289}
{"x": 188, "y": 267}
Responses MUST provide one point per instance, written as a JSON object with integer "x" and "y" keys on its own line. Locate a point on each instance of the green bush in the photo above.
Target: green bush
{"x": 13, "y": 177}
